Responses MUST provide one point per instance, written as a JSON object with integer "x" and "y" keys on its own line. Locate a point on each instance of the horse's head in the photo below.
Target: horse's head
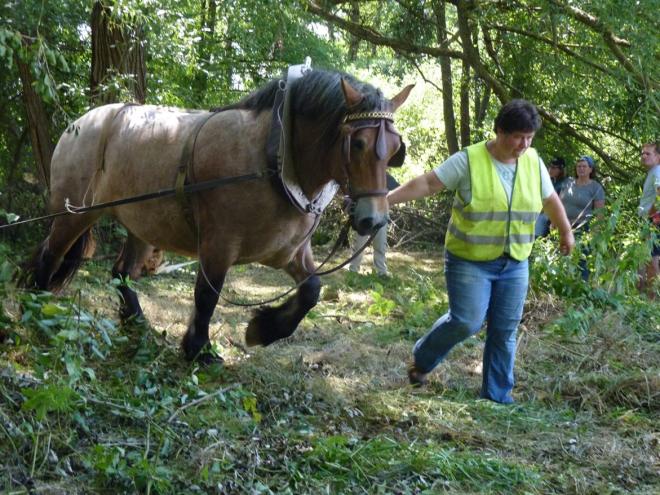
{"x": 370, "y": 144}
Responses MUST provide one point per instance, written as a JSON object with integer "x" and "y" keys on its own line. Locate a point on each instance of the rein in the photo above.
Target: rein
{"x": 343, "y": 236}
{"x": 187, "y": 188}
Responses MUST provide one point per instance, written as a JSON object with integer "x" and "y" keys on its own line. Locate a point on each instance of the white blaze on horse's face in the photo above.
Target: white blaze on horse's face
{"x": 372, "y": 145}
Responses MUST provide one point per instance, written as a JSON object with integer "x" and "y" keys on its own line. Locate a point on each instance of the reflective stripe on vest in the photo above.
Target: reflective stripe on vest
{"x": 482, "y": 229}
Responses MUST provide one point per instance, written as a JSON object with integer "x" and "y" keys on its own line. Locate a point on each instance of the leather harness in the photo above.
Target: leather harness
{"x": 279, "y": 154}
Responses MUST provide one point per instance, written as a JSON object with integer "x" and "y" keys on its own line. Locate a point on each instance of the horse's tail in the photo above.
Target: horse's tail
{"x": 35, "y": 272}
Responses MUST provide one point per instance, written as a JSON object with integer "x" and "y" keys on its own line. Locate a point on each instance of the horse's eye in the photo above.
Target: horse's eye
{"x": 358, "y": 144}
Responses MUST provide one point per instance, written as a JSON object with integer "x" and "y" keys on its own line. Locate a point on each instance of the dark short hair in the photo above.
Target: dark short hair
{"x": 518, "y": 116}
{"x": 558, "y": 162}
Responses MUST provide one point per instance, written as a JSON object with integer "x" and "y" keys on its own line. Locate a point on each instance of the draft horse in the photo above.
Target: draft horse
{"x": 341, "y": 130}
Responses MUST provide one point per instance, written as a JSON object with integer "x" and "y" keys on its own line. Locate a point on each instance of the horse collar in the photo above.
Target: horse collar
{"x": 279, "y": 151}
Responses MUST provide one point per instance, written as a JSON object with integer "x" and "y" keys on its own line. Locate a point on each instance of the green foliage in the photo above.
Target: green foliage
{"x": 326, "y": 411}
{"x": 87, "y": 404}
{"x": 615, "y": 250}
{"x": 382, "y": 306}
{"x": 10, "y": 42}
{"x": 51, "y": 398}
{"x": 72, "y": 332}
{"x": 6, "y": 272}
{"x": 87, "y": 376}
{"x": 347, "y": 462}
{"x": 118, "y": 467}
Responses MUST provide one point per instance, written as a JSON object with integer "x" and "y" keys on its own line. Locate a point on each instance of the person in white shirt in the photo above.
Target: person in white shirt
{"x": 648, "y": 208}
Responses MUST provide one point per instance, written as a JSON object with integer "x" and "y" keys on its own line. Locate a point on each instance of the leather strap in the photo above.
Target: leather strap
{"x": 185, "y": 172}
{"x": 280, "y": 154}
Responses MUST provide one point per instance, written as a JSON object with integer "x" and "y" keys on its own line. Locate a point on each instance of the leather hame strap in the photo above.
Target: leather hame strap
{"x": 184, "y": 174}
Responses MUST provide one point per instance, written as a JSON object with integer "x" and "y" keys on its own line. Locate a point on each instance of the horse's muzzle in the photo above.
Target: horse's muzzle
{"x": 366, "y": 218}
{"x": 367, "y": 226}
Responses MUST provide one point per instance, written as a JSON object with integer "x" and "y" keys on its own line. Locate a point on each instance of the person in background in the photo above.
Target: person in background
{"x": 500, "y": 187}
{"x": 581, "y": 196}
{"x": 557, "y": 172}
{"x": 649, "y": 207}
{"x": 379, "y": 243}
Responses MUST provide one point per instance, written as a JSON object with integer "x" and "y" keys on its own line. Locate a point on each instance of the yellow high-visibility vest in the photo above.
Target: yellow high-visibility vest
{"x": 489, "y": 226}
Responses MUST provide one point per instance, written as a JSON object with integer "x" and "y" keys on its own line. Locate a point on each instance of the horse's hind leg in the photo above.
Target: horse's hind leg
{"x": 129, "y": 265}
{"x": 275, "y": 323}
{"x": 207, "y": 291}
{"x": 61, "y": 253}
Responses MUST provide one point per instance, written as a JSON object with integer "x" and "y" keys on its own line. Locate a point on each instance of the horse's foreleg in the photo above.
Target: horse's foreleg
{"x": 207, "y": 291}
{"x": 275, "y": 323}
{"x": 129, "y": 265}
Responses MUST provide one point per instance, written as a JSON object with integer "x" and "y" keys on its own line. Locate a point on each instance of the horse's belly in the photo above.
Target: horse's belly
{"x": 161, "y": 223}
{"x": 273, "y": 243}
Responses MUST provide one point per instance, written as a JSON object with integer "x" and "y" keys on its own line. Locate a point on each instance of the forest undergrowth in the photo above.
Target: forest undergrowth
{"x": 92, "y": 406}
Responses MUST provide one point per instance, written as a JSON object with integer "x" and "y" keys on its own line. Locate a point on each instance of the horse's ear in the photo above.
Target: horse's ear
{"x": 352, "y": 96}
{"x": 399, "y": 99}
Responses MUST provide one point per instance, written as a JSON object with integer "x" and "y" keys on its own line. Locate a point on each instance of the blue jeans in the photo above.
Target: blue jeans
{"x": 491, "y": 290}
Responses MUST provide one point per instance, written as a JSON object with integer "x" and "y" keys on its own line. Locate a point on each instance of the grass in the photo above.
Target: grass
{"x": 88, "y": 405}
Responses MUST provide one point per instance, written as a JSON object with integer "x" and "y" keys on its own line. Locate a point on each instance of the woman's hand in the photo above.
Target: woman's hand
{"x": 566, "y": 242}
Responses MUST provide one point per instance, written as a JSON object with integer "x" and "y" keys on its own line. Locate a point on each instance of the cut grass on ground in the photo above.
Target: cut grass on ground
{"x": 88, "y": 405}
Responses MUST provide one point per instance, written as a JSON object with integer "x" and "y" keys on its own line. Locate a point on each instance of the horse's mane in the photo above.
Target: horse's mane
{"x": 317, "y": 95}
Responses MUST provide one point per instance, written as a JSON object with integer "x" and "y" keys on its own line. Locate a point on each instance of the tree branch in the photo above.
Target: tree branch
{"x": 554, "y": 121}
{"x": 554, "y": 44}
{"x": 472, "y": 55}
{"x": 613, "y": 42}
{"x": 377, "y": 38}
{"x": 422, "y": 75}
{"x": 604, "y": 131}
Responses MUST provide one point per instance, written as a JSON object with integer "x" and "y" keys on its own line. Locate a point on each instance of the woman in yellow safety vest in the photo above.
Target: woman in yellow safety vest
{"x": 500, "y": 187}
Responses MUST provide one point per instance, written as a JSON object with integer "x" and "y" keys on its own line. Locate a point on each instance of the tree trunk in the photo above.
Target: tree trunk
{"x": 465, "y": 104}
{"x": 38, "y": 123}
{"x": 117, "y": 58}
{"x": 472, "y": 55}
{"x": 204, "y": 46}
{"x": 482, "y": 107}
{"x": 354, "y": 41}
{"x": 447, "y": 84}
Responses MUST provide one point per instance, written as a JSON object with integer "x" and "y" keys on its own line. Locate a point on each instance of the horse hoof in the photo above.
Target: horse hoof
{"x": 134, "y": 320}
{"x": 200, "y": 351}
{"x": 209, "y": 358}
{"x": 253, "y": 335}
{"x": 129, "y": 316}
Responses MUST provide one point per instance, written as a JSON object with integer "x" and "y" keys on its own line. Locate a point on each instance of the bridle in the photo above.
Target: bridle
{"x": 380, "y": 119}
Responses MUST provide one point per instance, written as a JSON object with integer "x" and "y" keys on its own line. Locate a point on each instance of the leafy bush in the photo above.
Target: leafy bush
{"x": 615, "y": 251}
